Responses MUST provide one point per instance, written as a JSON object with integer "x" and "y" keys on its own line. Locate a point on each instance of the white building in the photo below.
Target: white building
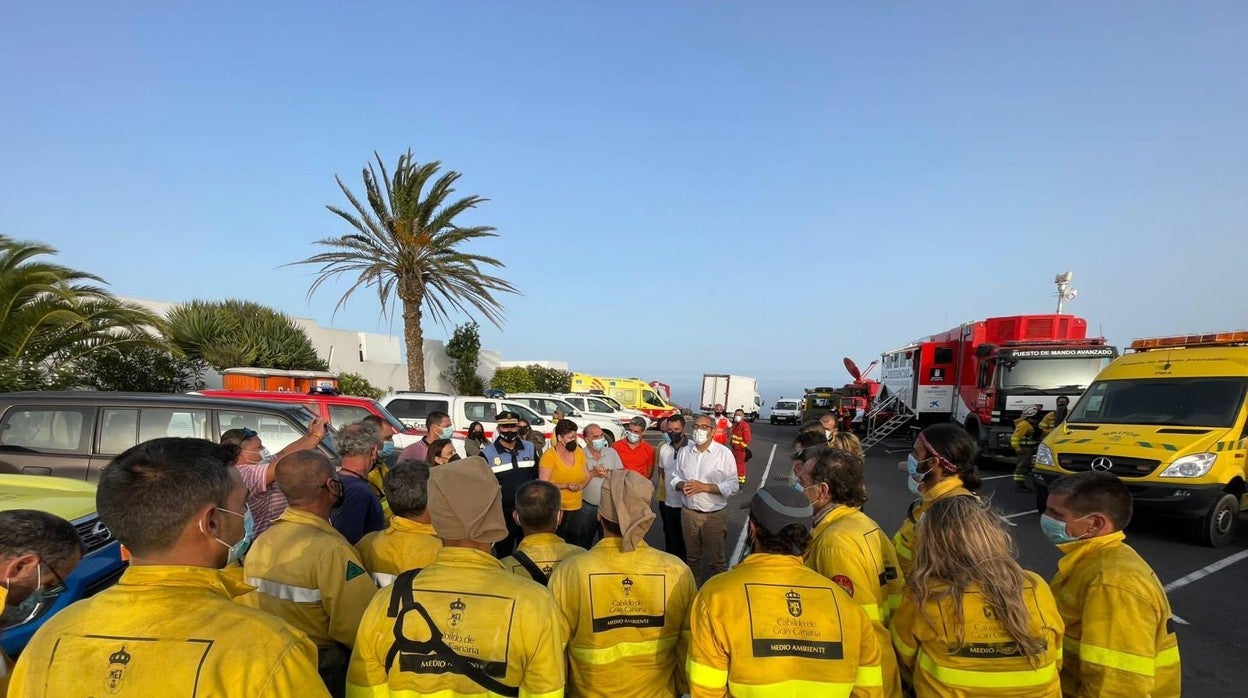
{"x": 377, "y": 357}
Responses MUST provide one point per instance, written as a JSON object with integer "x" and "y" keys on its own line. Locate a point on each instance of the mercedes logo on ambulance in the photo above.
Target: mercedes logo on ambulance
{"x": 1102, "y": 464}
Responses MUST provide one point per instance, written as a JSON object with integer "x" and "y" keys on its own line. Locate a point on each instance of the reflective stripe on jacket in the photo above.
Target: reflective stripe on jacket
{"x": 849, "y": 548}
{"x": 167, "y": 631}
{"x": 625, "y": 613}
{"x": 903, "y": 540}
{"x": 941, "y": 656}
{"x": 773, "y": 627}
{"x": 405, "y": 545}
{"x": 308, "y": 575}
{"x": 505, "y": 624}
{"x": 1118, "y": 636}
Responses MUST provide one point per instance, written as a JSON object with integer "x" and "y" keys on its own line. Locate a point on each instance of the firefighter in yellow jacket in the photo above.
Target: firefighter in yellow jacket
{"x": 1119, "y": 640}
{"x": 409, "y": 542}
{"x": 305, "y": 572}
{"x": 538, "y": 513}
{"x": 1029, "y": 431}
{"x": 169, "y": 627}
{"x": 772, "y": 626}
{"x": 464, "y": 626}
{"x": 941, "y": 465}
{"x": 849, "y": 548}
{"x": 972, "y": 622}
{"x": 624, "y": 602}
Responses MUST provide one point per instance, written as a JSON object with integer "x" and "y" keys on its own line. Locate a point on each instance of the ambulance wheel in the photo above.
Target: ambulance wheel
{"x": 1217, "y": 527}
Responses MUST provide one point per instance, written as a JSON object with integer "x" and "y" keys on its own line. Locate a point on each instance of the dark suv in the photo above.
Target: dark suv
{"x": 75, "y": 434}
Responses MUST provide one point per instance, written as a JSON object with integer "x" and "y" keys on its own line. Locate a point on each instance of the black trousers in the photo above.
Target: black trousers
{"x": 332, "y": 664}
{"x": 515, "y": 534}
{"x": 673, "y": 534}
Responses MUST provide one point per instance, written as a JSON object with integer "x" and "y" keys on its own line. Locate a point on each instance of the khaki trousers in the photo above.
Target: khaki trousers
{"x": 705, "y": 534}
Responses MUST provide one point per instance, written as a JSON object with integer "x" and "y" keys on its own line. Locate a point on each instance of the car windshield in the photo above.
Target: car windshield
{"x": 525, "y": 413}
{"x": 652, "y": 398}
{"x": 786, "y": 405}
{"x": 610, "y": 401}
{"x": 1180, "y": 402}
{"x": 305, "y": 416}
{"x": 1050, "y": 374}
{"x": 385, "y": 414}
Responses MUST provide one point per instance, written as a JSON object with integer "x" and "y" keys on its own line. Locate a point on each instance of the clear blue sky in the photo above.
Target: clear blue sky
{"x": 754, "y": 188}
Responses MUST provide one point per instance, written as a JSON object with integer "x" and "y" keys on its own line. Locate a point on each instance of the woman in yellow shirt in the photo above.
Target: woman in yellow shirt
{"x": 564, "y": 467}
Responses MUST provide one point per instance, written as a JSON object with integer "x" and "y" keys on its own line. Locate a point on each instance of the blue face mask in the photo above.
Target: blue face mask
{"x": 387, "y": 448}
{"x": 914, "y": 477}
{"x": 447, "y": 432}
{"x": 237, "y": 550}
{"x": 599, "y": 443}
{"x": 1055, "y": 530}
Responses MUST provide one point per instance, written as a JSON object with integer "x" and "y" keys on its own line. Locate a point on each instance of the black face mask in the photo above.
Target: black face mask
{"x": 1060, "y": 413}
{"x": 676, "y": 437}
{"x": 478, "y": 435}
{"x": 570, "y": 446}
{"x": 524, "y": 431}
{"x": 508, "y": 436}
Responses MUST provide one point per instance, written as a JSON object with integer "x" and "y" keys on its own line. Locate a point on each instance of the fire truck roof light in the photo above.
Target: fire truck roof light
{"x": 1191, "y": 340}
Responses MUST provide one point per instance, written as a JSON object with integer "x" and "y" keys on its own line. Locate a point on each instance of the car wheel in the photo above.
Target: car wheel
{"x": 773, "y": 421}
{"x": 1217, "y": 527}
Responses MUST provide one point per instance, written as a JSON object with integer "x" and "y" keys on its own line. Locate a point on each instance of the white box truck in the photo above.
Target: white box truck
{"x": 733, "y": 392}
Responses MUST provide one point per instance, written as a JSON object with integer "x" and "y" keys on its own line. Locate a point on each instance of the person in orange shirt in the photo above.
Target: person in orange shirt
{"x": 636, "y": 455}
{"x": 723, "y": 425}
{"x": 740, "y": 442}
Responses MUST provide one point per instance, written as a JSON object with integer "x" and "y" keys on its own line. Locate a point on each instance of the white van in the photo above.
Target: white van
{"x": 545, "y": 404}
{"x": 786, "y": 411}
{"x": 413, "y": 408}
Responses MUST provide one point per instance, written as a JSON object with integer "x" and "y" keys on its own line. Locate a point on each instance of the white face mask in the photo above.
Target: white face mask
{"x": 632, "y": 438}
{"x": 737, "y": 417}
{"x": 701, "y": 436}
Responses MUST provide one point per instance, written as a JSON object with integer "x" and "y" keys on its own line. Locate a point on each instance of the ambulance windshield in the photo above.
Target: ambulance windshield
{"x": 1072, "y": 375}
{"x": 1176, "y": 402}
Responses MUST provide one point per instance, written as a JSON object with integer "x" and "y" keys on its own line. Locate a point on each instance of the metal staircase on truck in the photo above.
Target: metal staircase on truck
{"x": 898, "y": 415}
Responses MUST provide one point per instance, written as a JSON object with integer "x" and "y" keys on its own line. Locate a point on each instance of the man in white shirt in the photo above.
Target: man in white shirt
{"x": 706, "y": 474}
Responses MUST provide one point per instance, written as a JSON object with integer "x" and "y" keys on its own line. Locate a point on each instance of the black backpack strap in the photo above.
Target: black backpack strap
{"x": 531, "y": 567}
{"x": 402, "y": 601}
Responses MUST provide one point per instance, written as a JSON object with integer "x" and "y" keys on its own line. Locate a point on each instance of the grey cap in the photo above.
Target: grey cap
{"x": 776, "y": 506}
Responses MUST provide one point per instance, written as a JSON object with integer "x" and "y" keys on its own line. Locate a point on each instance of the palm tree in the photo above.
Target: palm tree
{"x": 406, "y": 243}
{"x": 51, "y": 317}
{"x": 226, "y": 334}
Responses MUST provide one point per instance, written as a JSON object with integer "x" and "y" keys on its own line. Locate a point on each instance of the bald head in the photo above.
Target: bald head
{"x": 302, "y": 474}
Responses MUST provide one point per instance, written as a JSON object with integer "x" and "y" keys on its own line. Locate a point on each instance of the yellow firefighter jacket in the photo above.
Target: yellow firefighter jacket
{"x": 376, "y": 479}
{"x": 945, "y": 654}
{"x": 773, "y": 627}
{"x": 167, "y": 631}
{"x": 625, "y": 613}
{"x": 1026, "y": 435}
{"x": 462, "y": 627}
{"x": 308, "y": 575}
{"x": 5, "y": 664}
{"x": 903, "y": 541}
{"x": 405, "y": 545}
{"x": 546, "y": 550}
{"x": 1118, "y": 636}
{"x": 849, "y": 548}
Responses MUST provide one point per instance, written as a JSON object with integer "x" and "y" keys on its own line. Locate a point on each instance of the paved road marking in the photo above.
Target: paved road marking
{"x": 1205, "y": 571}
{"x": 997, "y": 477}
{"x": 1007, "y": 517}
{"x": 745, "y": 527}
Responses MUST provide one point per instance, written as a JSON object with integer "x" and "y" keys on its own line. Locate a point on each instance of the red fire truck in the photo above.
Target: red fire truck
{"x": 983, "y": 374}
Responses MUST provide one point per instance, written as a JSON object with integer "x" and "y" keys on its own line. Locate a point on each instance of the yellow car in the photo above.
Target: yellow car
{"x": 101, "y": 566}
{"x": 1171, "y": 421}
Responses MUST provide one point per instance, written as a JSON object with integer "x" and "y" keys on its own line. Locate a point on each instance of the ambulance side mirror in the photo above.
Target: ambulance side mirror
{"x": 984, "y": 350}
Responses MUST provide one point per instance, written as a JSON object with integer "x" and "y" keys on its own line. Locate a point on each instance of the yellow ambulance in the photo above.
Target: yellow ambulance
{"x": 631, "y": 393}
{"x": 1171, "y": 420}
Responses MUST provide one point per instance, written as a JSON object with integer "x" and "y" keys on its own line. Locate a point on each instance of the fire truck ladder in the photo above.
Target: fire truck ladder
{"x": 901, "y": 415}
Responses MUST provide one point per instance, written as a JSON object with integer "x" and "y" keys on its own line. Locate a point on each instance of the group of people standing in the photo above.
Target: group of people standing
{"x": 511, "y": 574}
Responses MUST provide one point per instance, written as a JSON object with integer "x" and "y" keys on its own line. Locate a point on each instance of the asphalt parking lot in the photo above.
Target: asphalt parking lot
{"x": 1208, "y": 587}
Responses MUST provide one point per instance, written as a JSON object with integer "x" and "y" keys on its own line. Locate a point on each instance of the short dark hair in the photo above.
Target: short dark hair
{"x": 537, "y": 505}
{"x": 1091, "y": 492}
{"x": 375, "y": 419}
{"x": 677, "y": 418}
{"x": 842, "y": 472}
{"x": 565, "y": 427}
{"x": 790, "y": 540}
{"x": 434, "y": 417}
{"x": 957, "y": 446}
{"x": 809, "y": 444}
{"x": 147, "y": 494}
{"x": 407, "y": 488}
{"x": 29, "y": 531}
